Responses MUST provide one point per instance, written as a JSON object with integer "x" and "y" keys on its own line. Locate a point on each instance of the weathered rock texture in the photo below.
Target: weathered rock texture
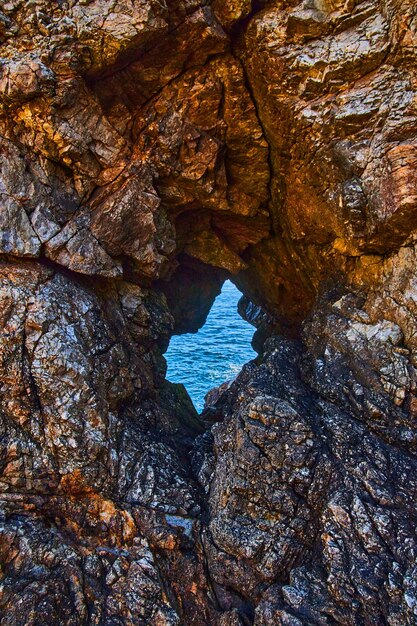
{"x": 149, "y": 150}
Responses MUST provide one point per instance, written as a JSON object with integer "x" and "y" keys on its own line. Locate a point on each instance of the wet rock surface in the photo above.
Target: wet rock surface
{"x": 149, "y": 151}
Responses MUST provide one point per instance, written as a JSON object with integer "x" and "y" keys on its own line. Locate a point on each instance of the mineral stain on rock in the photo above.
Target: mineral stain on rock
{"x": 150, "y": 151}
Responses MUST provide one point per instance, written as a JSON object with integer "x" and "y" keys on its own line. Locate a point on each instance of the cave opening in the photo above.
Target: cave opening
{"x": 216, "y": 353}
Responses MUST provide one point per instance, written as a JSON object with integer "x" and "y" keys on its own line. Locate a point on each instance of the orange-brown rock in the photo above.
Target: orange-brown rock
{"x": 150, "y": 150}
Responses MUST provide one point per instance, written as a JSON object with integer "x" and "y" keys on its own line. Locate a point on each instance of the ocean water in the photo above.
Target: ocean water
{"x": 216, "y": 353}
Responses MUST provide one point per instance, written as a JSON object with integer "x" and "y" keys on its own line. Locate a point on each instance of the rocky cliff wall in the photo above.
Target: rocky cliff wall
{"x": 150, "y": 149}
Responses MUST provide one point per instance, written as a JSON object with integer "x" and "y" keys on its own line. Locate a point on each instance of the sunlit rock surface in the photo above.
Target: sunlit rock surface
{"x": 150, "y": 150}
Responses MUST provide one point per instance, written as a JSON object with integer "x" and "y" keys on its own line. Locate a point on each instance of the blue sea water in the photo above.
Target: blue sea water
{"x": 216, "y": 353}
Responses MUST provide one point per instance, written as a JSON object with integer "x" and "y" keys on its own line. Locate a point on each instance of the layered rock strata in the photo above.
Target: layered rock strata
{"x": 150, "y": 150}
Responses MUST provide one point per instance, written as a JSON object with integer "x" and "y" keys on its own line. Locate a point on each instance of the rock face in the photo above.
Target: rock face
{"x": 150, "y": 150}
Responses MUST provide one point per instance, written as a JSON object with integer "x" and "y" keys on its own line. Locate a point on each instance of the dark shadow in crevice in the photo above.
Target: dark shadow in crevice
{"x": 190, "y": 293}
